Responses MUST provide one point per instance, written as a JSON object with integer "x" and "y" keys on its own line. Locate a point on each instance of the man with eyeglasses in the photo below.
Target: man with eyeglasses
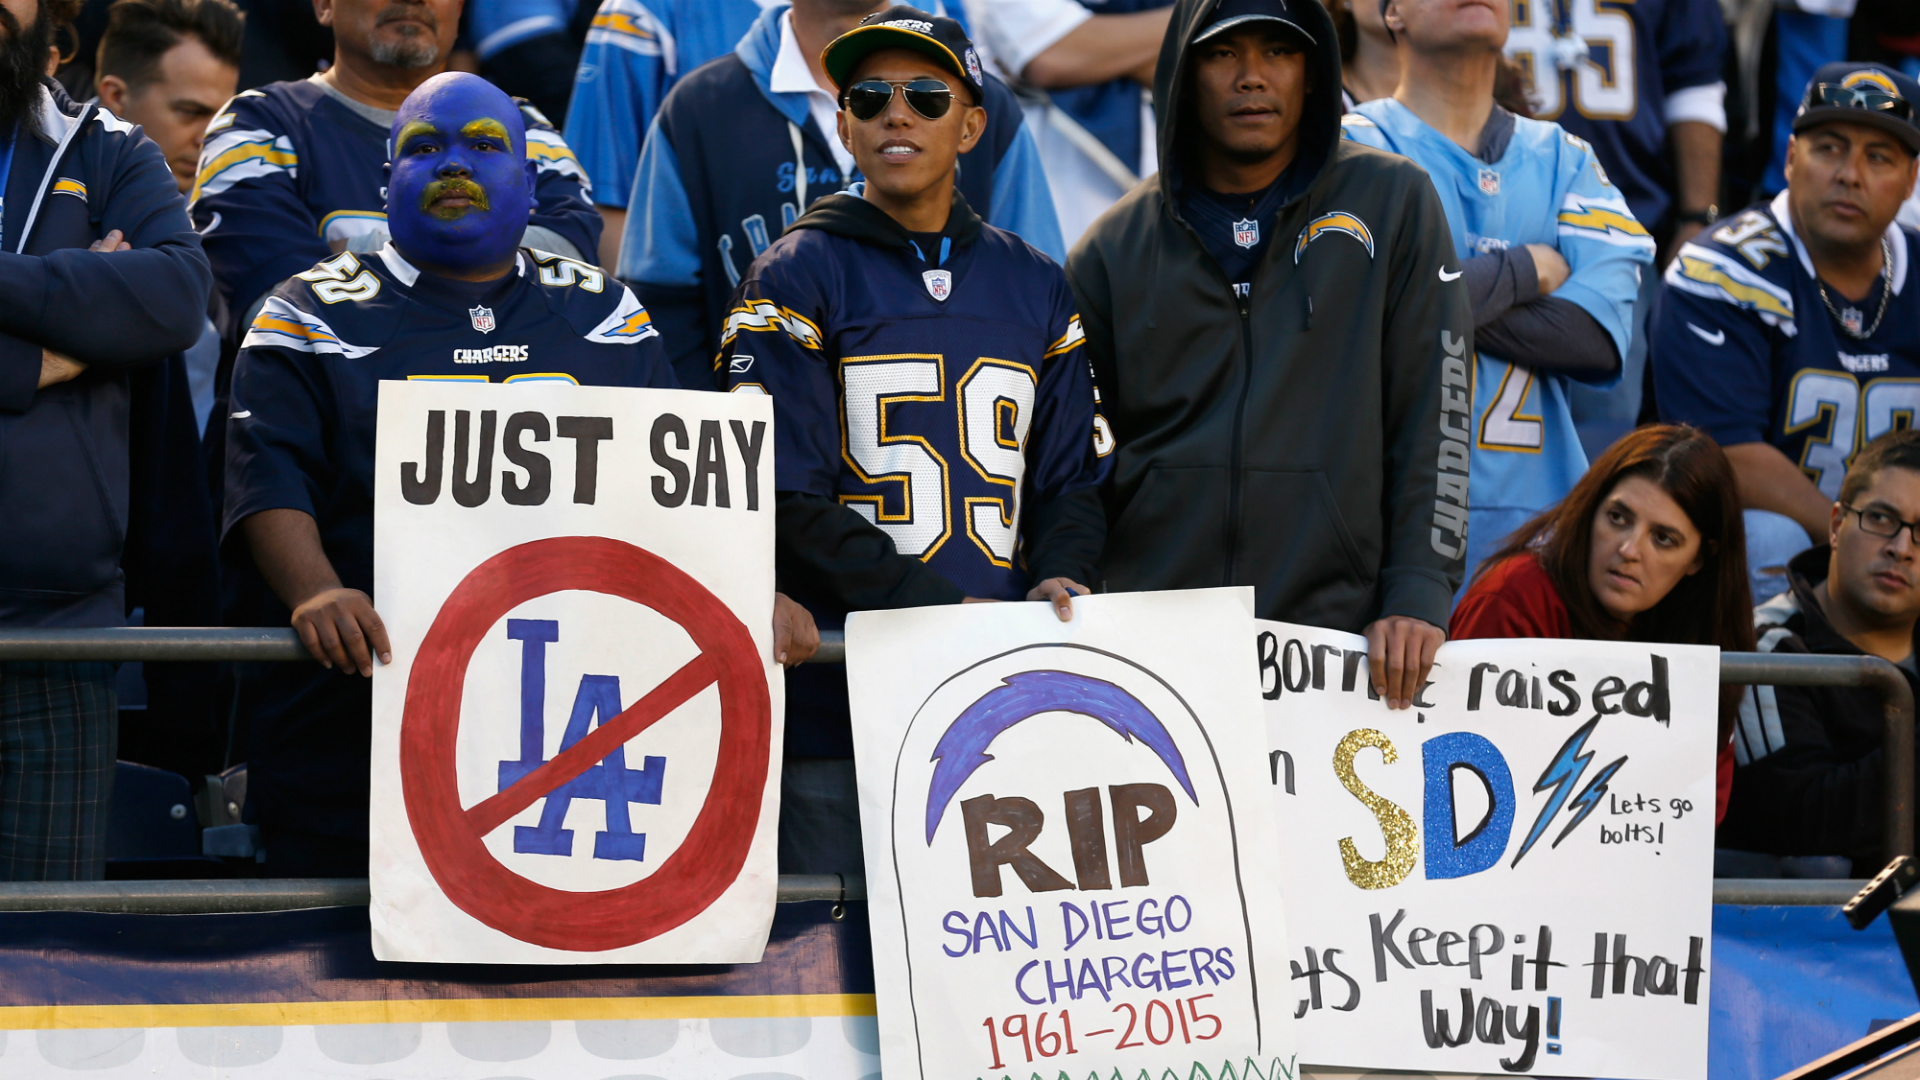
{"x": 937, "y": 435}
{"x": 1807, "y": 780}
{"x": 1791, "y": 331}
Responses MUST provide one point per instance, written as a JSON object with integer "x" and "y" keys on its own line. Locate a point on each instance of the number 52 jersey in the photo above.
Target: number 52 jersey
{"x": 1744, "y": 346}
{"x": 932, "y": 384}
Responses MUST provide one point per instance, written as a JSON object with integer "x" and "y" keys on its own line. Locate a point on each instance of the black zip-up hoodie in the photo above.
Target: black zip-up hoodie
{"x": 1310, "y": 438}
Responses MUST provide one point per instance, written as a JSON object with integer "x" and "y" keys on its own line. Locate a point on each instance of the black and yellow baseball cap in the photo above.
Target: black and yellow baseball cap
{"x": 1857, "y": 93}
{"x": 940, "y": 39}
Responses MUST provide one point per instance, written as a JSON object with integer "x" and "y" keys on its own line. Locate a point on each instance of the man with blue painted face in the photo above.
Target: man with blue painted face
{"x": 291, "y": 172}
{"x": 937, "y": 435}
{"x": 453, "y": 295}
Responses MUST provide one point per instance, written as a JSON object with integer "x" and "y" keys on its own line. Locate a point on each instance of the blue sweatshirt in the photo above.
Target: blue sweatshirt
{"x": 78, "y": 173}
{"x": 717, "y": 185}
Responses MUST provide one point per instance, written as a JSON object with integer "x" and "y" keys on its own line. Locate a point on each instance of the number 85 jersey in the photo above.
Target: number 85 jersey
{"x": 933, "y": 385}
{"x": 1744, "y": 346}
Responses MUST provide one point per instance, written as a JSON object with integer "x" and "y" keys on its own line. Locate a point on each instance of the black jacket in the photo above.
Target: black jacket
{"x": 78, "y": 173}
{"x": 1807, "y": 778}
{"x": 1300, "y": 440}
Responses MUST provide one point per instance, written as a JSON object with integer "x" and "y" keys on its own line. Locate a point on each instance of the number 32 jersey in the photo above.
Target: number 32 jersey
{"x": 943, "y": 399}
{"x": 1743, "y": 345}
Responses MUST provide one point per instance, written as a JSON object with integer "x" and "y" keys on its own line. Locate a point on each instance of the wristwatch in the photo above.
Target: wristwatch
{"x": 1702, "y": 218}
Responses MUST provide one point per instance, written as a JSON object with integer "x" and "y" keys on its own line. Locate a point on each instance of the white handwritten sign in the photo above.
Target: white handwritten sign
{"x": 575, "y": 748}
{"x": 1513, "y": 876}
{"x": 1071, "y": 854}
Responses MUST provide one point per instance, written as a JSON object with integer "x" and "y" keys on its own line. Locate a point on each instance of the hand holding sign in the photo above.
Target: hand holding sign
{"x": 1066, "y": 872}
{"x": 620, "y": 587}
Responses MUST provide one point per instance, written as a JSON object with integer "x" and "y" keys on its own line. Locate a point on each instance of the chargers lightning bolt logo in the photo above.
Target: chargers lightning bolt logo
{"x": 1560, "y": 776}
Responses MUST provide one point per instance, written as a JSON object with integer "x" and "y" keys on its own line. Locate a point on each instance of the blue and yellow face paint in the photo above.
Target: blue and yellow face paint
{"x": 461, "y": 187}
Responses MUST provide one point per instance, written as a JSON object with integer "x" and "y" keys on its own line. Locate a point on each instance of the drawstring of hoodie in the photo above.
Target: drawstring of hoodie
{"x": 946, "y": 248}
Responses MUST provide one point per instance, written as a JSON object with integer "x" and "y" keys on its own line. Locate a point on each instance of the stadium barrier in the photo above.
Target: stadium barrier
{"x": 148, "y": 643}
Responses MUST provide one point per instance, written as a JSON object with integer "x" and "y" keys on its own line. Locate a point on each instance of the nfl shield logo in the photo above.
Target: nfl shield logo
{"x": 973, "y": 64}
{"x": 1853, "y": 320}
{"x": 1489, "y": 182}
{"x": 939, "y": 283}
{"x": 482, "y": 319}
{"x": 1246, "y": 233}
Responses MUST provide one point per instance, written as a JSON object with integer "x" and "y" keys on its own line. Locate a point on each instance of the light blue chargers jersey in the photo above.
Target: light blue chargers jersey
{"x": 635, "y": 51}
{"x": 1547, "y": 188}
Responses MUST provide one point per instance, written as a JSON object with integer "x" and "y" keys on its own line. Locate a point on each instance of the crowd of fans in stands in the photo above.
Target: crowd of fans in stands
{"x": 1710, "y": 296}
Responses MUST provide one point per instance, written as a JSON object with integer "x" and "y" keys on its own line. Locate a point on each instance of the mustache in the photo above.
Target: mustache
{"x": 396, "y": 12}
{"x": 453, "y": 185}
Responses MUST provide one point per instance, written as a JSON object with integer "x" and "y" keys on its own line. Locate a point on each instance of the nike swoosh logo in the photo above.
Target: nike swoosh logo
{"x": 1455, "y": 276}
{"x": 1718, "y": 337}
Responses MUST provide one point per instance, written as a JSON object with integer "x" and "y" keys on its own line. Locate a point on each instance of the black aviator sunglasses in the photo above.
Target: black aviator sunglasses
{"x": 930, "y": 98}
{"x": 1860, "y": 97}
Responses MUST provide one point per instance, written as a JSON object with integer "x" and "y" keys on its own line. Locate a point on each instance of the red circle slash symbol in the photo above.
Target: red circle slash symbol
{"x": 451, "y": 837}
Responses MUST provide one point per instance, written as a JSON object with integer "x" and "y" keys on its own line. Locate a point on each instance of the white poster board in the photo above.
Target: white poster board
{"x": 576, "y": 747}
{"x": 1515, "y": 875}
{"x": 1070, "y": 852}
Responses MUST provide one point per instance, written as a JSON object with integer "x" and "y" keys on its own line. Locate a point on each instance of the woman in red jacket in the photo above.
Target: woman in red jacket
{"x": 1648, "y": 546}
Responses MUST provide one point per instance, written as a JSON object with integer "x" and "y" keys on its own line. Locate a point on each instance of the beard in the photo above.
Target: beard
{"x": 23, "y": 60}
{"x": 412, "y": 51}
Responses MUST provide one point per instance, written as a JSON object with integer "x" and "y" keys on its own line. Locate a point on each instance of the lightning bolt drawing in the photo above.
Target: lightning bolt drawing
{"x": 1561, "y": 776}
{"x": 963, "y": 746}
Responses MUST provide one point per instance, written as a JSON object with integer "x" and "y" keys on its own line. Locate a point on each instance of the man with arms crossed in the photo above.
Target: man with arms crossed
{"x": 1809, "y": 765}
{"x": 1791, "y": 332}
{"x": 454, "y": 295}
{"x": 962, "y": 460}
{"x": 1282, "y": 338}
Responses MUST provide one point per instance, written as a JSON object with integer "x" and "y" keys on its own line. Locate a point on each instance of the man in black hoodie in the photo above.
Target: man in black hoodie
{"x": 1278, "y": 327}
{"x": 936, "y": 438}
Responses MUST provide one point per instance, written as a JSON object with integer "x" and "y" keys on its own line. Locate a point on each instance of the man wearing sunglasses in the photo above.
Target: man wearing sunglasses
{"x": 962, "y": 461}
{"x": 1809, "y": 764}
{"x": 1791, "y": 332}
{"x": 745, "y": 144}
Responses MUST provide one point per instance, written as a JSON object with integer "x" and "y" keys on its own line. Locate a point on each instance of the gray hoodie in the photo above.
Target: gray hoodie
{"x": 1308, "y": 439}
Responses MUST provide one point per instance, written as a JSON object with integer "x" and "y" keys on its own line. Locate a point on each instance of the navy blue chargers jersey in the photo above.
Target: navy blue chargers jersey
{"x": 944, "y": 398}
{"x": 295, "y": 171}
{"x": 1744, "y": 346}
{"x": 301, "y": 436}
{"x": 1648, "y": 64}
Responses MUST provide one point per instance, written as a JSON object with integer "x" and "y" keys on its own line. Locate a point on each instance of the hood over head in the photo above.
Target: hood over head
{"x": 1191, "y": 20}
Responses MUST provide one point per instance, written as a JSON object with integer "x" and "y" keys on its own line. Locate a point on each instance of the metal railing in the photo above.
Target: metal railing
{"x": 266, "y": 645}
{"x": 188, "y": 643}
{"x": 1896, "y": 704}
{"x": 219, "y": 897}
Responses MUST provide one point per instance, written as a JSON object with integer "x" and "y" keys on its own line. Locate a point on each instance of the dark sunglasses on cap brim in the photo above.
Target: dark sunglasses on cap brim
{"x": 930, "y": 98}
{"x": 1860, "y": 97}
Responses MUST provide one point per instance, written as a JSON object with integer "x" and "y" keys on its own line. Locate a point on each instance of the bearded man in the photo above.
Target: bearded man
{"x": 100, "y": 273}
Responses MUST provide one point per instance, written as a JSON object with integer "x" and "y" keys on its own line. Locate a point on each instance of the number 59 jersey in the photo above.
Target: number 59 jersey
{"x": 1744, "y": 346}
{"x": 933, "y": 385}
